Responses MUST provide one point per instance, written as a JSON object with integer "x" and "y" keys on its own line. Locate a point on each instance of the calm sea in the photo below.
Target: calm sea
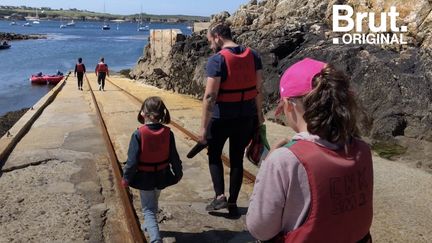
{"x": 120, "y": 46}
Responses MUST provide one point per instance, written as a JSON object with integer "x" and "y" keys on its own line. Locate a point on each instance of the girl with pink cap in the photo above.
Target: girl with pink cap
{"x": 317, "y": 186}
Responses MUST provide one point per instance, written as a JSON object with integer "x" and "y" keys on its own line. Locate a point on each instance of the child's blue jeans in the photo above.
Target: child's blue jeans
{"x": 149, "y": 204}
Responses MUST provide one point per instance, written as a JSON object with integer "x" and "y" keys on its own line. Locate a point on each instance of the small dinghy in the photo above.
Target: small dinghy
{"x": 46, "y": 79}
{"x": 5, "y": 45}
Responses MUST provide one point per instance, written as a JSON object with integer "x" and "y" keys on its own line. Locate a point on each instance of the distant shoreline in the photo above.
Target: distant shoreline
{"x": 13, "y": 13}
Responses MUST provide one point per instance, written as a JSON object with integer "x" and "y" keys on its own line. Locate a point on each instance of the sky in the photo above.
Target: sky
{"x": 187, "y": 7}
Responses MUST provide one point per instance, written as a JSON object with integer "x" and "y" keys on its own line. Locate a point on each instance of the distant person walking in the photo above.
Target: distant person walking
{"x": 318, "y": 185}
{"x": 79, "y": 72}
{"x": 231, "y": 110}
{"x": 101, "y": 72}
{"x": 152, "y": 159}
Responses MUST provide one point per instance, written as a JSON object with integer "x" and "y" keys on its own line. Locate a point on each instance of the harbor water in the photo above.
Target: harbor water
{"x": 121, "y": 46}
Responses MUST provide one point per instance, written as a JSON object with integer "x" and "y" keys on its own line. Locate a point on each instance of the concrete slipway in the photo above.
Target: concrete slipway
{"x": 57, "y": 184}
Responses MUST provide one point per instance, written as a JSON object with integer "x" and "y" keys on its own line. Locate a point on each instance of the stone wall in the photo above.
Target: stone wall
{"x": 161, "y": 42}
{"x": 156, "y": 59}
{"x": 200, "y": 26}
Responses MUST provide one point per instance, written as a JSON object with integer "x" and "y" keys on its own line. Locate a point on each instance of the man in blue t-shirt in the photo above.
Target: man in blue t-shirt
{"x": 232, "y": 109}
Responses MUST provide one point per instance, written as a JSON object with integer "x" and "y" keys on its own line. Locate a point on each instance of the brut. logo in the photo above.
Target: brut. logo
{"x": 344, "y": 20}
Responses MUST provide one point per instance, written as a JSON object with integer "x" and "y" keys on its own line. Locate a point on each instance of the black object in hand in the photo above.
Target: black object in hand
{"x": 196, "y": 149}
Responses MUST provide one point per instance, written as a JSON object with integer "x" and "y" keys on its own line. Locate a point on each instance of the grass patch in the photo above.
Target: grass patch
{"x": 125, "y": 73}
{"x": 388, "y": 150}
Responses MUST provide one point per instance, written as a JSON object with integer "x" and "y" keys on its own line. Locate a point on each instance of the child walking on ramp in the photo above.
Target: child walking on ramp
{"x": 153, "y": 162}
{"x": 316, "y": 187}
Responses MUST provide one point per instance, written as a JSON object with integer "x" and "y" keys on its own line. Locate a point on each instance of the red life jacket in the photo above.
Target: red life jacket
{"x": 154, "y": 149}
{"x": 80, "y": 68}
{"x": 241, "y": 81}
{"x": 341, "y": 187}
{"x": 102, "y": 68}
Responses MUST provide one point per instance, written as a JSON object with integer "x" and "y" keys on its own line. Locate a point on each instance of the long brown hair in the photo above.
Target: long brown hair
{"x": 154, "y": 107}
{"x": 331, "y": 108}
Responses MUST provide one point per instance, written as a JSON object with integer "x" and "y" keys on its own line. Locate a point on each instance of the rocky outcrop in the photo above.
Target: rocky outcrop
{"x": 13, "y": 36}
{"x": 9, "y": 119}
{"x": 393, "y": 83}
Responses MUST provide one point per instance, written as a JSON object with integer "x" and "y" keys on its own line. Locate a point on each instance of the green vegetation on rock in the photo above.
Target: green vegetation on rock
{"x": 125, "y": 73}
{"x": 388, "y": 150}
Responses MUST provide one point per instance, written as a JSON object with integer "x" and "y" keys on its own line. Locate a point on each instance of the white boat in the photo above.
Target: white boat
{"x": 36, "y": 20}
{"x": 141, "y": 27}
{"x": 144, "y": 28}
{"x": 189, "y": 27}
{"x": 105, "y": 26}
{"x": 13, "y": 23}
{"x": 62, "y": 26}
{"x": 71, "y": 24}
{"x": 27, "y": 24}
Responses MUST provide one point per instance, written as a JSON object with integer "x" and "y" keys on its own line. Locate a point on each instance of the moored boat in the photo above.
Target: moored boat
{"x": 5, "y": 45}
{"x": 106, "y": 27}
{"x": 53, "y": 79}
{"x": 144, "y": 28}
{"x": 71, "y": 24}
{"x": 46, "y": 79}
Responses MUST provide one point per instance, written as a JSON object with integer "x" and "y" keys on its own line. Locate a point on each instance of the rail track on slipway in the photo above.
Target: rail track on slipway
{"x": 126, "y": 198}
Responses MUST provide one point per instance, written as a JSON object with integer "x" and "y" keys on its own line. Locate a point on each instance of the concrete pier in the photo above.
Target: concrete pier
{"x": 57, "y": 184}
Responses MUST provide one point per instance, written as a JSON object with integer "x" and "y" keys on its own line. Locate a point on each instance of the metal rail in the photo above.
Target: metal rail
{"x": 131, "y": 217}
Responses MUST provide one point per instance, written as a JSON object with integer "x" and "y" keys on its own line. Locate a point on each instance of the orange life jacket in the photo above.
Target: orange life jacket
{"x": 80, "y": 68}
{"x": 154, "y": 152}
{"x": 241, "y": 81}
{"x": 102, "y": 68}
{"x": 341, "y": 187}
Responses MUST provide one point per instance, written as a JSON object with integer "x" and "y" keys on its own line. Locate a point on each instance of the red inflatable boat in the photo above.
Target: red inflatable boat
{"x": 51, "y": 79}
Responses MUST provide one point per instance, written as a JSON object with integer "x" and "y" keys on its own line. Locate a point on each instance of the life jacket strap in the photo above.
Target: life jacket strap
{"x": 152, "y": 167}
{"x": 230, "y": 91}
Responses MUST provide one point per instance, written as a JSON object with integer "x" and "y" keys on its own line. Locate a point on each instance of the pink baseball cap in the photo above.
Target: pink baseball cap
{"x": 297, "y": 79}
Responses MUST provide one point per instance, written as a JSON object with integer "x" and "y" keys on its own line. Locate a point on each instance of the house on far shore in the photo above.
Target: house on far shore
{"x": 158, "y": 20}
{"x": 173, "y": 20}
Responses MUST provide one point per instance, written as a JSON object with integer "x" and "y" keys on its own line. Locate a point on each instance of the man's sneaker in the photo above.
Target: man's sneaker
{"x": 217, "y": 204}
{"x": 100, "y": 87}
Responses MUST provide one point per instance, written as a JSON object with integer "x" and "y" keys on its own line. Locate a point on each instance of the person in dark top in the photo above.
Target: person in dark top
{"x": 79, "y": 72}
{"x": 153, "y": 161}
{"x": 101, "y": 72}
{"x": 231, "y": 110}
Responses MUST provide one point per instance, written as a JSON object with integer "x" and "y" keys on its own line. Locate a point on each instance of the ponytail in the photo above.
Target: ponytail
{"x": 154, "y": 107}
{"x": 330, "y": 108}
{"x": 166, "y": 118}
